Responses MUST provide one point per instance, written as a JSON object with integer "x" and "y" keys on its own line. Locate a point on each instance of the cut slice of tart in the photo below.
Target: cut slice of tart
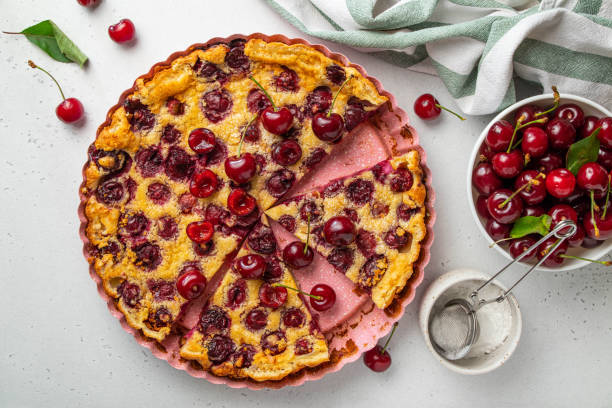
{"x": 368, "y": 226}
{"x": 251, "y": 328}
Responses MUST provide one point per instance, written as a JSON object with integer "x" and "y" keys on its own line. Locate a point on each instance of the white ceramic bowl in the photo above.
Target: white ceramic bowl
{"x": 546, "y": 100}
{"x": 435, "y": 293}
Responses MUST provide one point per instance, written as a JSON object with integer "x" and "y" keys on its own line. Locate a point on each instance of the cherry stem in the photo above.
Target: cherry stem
{"x": 593, "y": 205}
{"x": 501, "y": 240}
{"x": 12, "y": 33}
{"x": 280, "y": 285}
{"x": 603, "y": 215}
{"x": 448, "y": 110}
{"x": 331, "y": 107}
{"x": 524, "y": 186}
{"x": 384, "y": 349}
{"x": 557, "y": 99}
{"x": 606, "y": 263}
{"x": 265, "y": 93}
{"x": 33, "y": 65}
{"x": 519, "y": 125}
{"x": 307, "y": 235}
{"x": 244, "y": 133}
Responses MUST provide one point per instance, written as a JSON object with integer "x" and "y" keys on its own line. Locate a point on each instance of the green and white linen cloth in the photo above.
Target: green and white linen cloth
{"x": 475, "y": 46}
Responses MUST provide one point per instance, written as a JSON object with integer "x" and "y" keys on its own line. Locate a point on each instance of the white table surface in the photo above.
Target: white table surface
{"x": 59, "y": 346}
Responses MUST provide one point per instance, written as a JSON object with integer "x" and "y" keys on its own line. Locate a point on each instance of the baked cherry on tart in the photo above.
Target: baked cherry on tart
{"x": 179, "y": 176}
{"x": 253, "y": 327}
{"x": 368, "y": 226}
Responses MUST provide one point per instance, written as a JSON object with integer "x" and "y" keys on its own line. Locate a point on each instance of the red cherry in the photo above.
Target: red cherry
{"x": 123, "y": 31}
{"x": 295, "y": 256}
{"x": 278, "y": 121}
{"x": 548, "y": 162}
{"x": 605, "y": 158}
{"x": 561, "y": 134}
{"x": 240, "y": 202}
{"x": 256, "y": 319}
{"x": 520, "y": 245}
{"x": 241, "y": 168}
{"x": 562, "y": 212}
{"x": 191, "y": 283}
{"x": 272, "y": 296}
{"x": 202, "y": 140}
{"x": 499, "y": 136}
{"x": 251, "y": 266}
{"x": 485, "y": 153}
{"x": 560, "y": 183}
{"x": 87, "y": 3}
{"x": 534, "y": 193}
{"x": 577, "y": 239}
{"x": 200, "y": 231}
{"x": 286, "y": 152}
{"x": 535, "y": 142}
{"x": 590, "y": 124}
{"x": 508, "y": 165}
{"x": 534, "y": 211}
{"x": 572, "y": 113}
{"x": 605, "y": 133}
{"x": 484, "y": 179}
{"x": 498, "y": 231}
{"x": 592, "y": 176}
{"x": 553, "y": 259}
{"x": 377, "y": 360}
{"x": 604, "y": 225}
{"x": 70, "y": 110}
{"x": 481, "y": 207}
{"x": 339, "y": 230}
{"x": 426, "y": 107}
{"x": 527, "y": 113}
{"x": 510, "y": 211}
{"x": 203, "y": 184}
{"x": 327, "y": 128}
{"x": 327, "y": 297}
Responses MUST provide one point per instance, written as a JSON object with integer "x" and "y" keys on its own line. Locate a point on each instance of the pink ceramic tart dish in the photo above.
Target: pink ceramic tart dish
{"x": 354, "y": 324}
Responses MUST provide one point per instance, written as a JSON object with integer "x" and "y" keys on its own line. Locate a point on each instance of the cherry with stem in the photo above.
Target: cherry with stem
{"x": 280, "y": 285}
{"x": 328, "y": 126}
{"x": 378, "y": 358}
{"x": 275, "y": 120}
{"x": 533, "y": 181}
{"x": 69, "y": 110}
{"x": 242, "y": 167}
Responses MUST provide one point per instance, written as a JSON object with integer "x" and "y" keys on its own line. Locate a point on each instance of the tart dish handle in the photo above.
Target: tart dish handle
{"x": 562, "y": 231}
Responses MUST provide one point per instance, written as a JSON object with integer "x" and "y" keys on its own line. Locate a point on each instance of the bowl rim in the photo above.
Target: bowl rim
{"x": 432, "y": 294}
{"x": 574, "y": 264}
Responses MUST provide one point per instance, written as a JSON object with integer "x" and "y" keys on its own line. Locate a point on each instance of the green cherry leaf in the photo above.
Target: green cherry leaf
{"x": 531, "y": 225}
{"x": 48, "y": 37}
{"x": 582, "y": 152}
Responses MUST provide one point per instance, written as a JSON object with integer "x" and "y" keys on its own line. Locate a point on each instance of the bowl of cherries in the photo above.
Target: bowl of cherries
{"x": 543, "y": 160}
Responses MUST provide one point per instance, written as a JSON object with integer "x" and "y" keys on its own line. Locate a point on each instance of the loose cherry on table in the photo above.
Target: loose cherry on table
{"x": 200, "y": 231}
{"x": 560, "y": 183}
{"x": 69, "y": 110}
{"x": 274, "y": 120}
{"x": 339, "y": 230}
{"x": 242, "y": 167}
{"x": 87, "y": 3}
{"x": 378, "y": 358}
{"x": 427, "y": 107}
{"x": 251, "y": 266}
{"x": 123, "y": 31}
{"x": 240, "y": 202}
{"x": 328, "y": 126}
{"x": 191, "y": 283}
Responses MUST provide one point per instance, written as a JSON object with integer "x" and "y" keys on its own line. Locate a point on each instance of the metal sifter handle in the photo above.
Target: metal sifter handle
{"x": 563, "y": 230}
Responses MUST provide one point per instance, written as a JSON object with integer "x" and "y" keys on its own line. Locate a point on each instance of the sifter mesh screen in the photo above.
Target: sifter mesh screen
{"x": 449, "y": 328}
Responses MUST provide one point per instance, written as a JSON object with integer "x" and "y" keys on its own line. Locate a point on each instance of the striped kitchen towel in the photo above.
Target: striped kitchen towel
{"x": 475, "y": 46}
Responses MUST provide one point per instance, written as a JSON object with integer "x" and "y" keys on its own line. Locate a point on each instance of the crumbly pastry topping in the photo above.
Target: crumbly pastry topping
{"x": 387, "y": 204}
{"x": 139, "y": 194}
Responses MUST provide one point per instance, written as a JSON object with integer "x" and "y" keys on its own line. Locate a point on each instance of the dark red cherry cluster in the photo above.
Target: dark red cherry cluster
{"x": 523, "y": 170}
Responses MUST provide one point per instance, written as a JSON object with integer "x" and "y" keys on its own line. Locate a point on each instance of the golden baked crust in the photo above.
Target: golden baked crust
{"x": 381, "y": 258}
{"x": 143, "y": 152}
{"x": 288, "y": 341}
